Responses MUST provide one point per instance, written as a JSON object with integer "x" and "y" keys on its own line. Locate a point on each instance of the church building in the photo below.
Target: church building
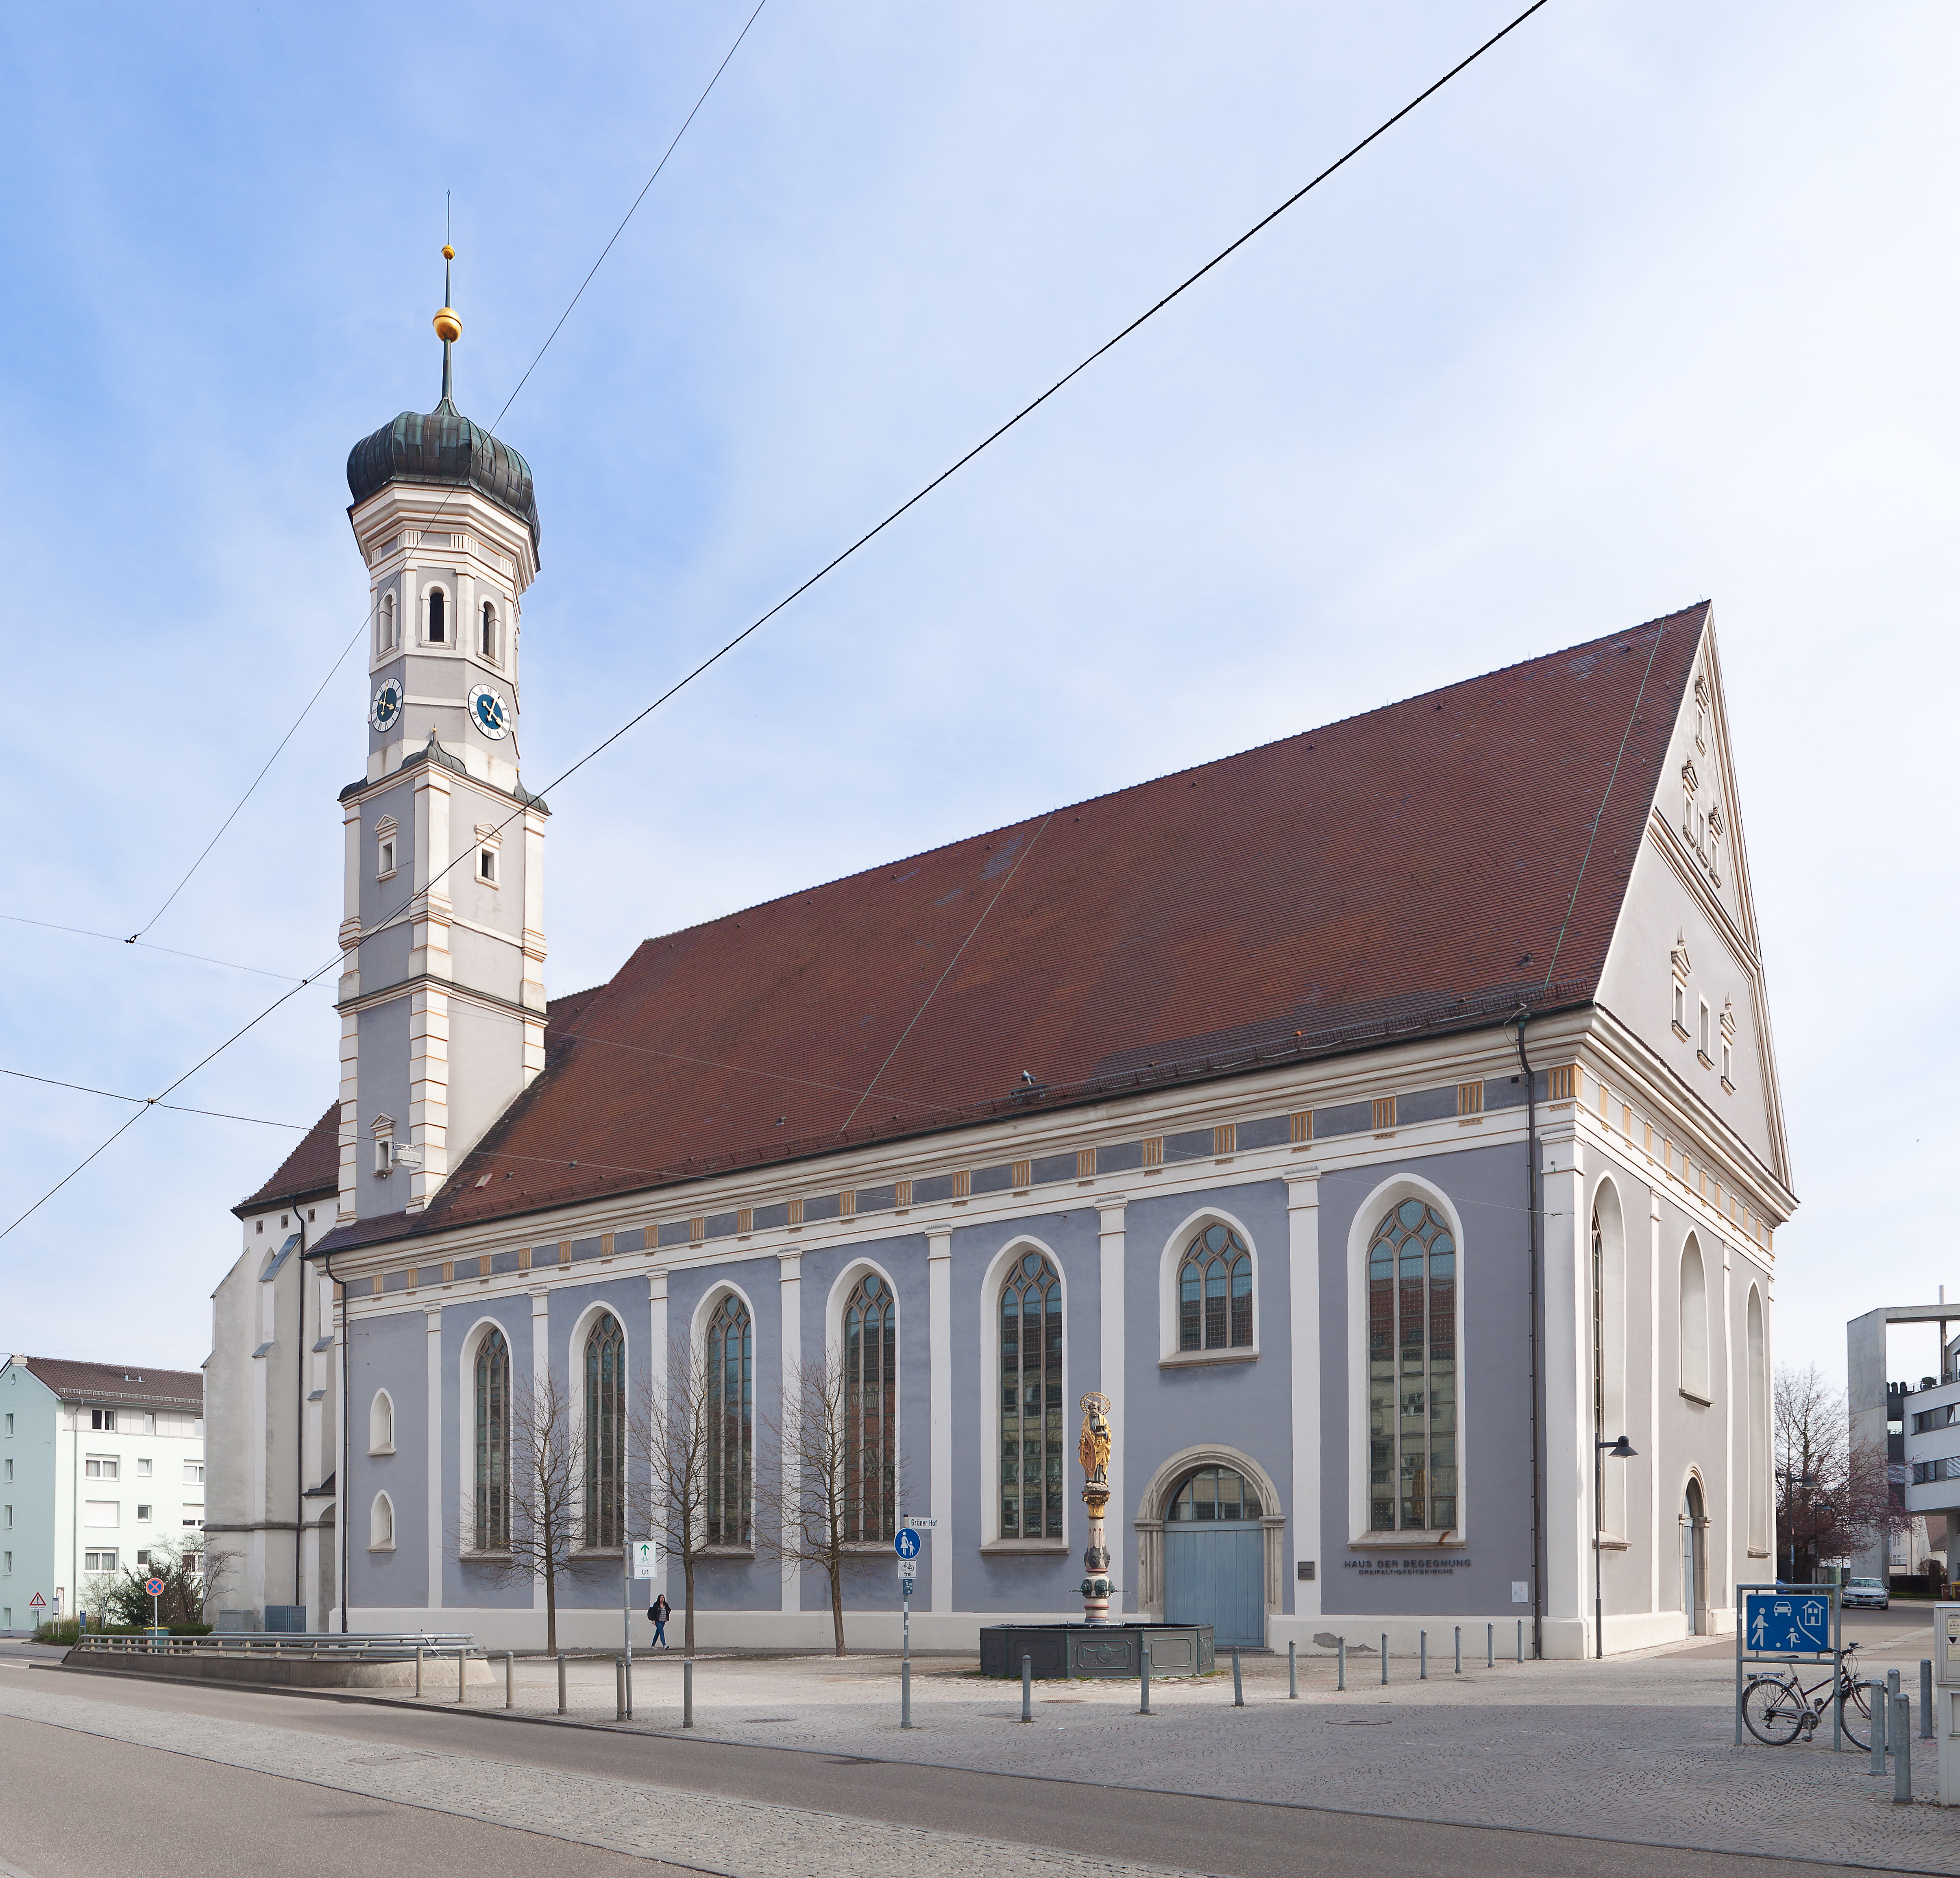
{"x": 1384, "y": 1120}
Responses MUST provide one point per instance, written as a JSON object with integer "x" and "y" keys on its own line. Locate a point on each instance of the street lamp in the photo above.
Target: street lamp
{"x": 1621, "y": 1451}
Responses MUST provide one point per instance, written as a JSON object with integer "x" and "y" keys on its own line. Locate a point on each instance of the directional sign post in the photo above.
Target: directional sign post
{"x": 154, "y": 1586}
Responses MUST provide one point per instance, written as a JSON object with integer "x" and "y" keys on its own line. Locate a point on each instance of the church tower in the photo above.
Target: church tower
{"x": 442, "y": 999}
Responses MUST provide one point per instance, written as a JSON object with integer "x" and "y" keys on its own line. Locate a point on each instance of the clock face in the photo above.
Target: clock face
{"x": 489, "y": 711}
{"x": 386, "y": 711}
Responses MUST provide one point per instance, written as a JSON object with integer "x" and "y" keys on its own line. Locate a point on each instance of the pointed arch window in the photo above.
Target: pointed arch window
{"x": 870, "y": 1410}
{"x": 493, "y": 1444}
{"x": 381, "y": 1524}
{"x": 1214, "y": 1292}
{"x": 731, "y": 1422}
{"x": 1412, "y": 1372}
{"x": 605, "y": 1432}
{"x": 438, "y": 626}
{"x": 1032, "y": 1432}
{"x": 487, "y": 646}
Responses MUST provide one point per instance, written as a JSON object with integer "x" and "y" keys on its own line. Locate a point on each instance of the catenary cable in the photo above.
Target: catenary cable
{"x": 148, "y": 945}
{"x": 870, "y": 534}
{"x": 219, "y": 1115}
{"x": 360, "y": 630}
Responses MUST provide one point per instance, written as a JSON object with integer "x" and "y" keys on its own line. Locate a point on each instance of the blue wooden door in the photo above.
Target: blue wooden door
{"x": 1215, "y": 1573}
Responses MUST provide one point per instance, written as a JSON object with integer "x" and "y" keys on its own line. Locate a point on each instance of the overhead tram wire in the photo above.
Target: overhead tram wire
{"x": 537, "y": 359}
{"x": 148, "y": 945}
{"x": 150, "y": 1102}
{"x": 870, "y": 534}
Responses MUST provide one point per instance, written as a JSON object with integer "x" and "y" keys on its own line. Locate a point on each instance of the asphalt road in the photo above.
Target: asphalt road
{"x": 77, "y": 1806}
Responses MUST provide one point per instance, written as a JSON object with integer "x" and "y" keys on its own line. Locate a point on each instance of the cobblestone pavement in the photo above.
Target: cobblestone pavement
{"x": 707, "y": 1832}
{"x": 1639, "y": 1749}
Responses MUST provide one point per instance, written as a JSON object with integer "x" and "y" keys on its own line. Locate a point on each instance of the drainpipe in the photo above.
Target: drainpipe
{"x": 1531, "y": 1215}
{"x": 343, "y": 1484}
{"x": 299, "y": 1420}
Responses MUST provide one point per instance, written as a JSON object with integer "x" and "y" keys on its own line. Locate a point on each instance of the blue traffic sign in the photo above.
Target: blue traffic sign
{"x": 906, "y": 1544}
{"x": 1787, "y": 1620}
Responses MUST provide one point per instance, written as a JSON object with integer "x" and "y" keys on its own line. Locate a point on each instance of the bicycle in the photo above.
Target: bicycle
{"x": 1778, "y": 1708}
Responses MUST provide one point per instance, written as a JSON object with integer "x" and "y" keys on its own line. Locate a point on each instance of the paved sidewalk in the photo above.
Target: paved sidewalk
{"x": 1638, "y": 1749}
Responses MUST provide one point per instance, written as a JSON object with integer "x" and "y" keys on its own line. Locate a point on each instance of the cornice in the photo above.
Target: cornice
{"x": 449, "y": 987}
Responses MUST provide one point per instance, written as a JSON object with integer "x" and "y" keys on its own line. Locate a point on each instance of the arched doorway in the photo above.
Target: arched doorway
{"x": 1215, "y": 1555}
{"x": 1692, "y": 1565}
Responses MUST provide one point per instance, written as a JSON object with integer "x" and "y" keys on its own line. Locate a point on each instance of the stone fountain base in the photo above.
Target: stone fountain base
{"x": 1111, "y": 1652}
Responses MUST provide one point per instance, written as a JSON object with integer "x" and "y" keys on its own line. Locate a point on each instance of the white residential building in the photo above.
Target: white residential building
{"x": 99, "y": 1462}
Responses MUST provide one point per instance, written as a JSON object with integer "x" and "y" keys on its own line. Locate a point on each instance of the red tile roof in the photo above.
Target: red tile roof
{"x": 1408, "y": 869}
{"x": 119, "y": 1382}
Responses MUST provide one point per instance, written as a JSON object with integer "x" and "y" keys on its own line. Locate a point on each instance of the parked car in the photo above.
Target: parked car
{"x": 1867, "y": 1594}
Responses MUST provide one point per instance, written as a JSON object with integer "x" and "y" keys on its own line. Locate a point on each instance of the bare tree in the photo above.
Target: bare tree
{"x": 543, "y": 1490}
{"x": 1834, "y": 1496}
{"x": 669, "y": 1434}
{"x": 815, "y": 1505}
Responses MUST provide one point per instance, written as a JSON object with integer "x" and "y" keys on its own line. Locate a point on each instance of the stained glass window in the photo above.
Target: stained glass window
{"x": 605, "y": 1431}
{"x": 1412, "y": 1372}
{"x": 1032, "y": 1411}
{"x": 870, "y": 1410}
{"x": 731, "y": 1421}
{"x": 1214, "y": 1293}
{"x": 493, "y": 1444}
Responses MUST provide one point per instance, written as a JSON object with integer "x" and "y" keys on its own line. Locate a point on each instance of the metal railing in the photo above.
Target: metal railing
{"x": 289, "y": 1645}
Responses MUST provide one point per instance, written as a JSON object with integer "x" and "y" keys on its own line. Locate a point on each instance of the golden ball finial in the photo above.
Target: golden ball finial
{"x": 448, "y": 253}
{"x": 447, "y": 326}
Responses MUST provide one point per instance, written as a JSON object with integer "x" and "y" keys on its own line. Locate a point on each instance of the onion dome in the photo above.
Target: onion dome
{"x": 443, "y": 447}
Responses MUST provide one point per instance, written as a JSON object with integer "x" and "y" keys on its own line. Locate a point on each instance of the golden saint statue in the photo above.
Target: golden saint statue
{"x": 1093, "y": 1449}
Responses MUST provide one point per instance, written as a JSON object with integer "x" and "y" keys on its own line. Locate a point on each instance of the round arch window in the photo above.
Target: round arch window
{"x": 1214, "y": 1493}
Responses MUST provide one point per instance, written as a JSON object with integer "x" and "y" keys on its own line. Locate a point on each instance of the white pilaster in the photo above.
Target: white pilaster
{"x": 1568, "y": 1414}
{"x": 939, "y": 1314}
{"x": 540, "y": 1371}
{"x": 1655, "y": 1343}
{"x": 790, "y": 1266}
{"x": 1722, "y": 1594}
{"x": 1303, "y": 1333}
{"x": 432, "y": 1318}
{"x": 1112, "y": 1242}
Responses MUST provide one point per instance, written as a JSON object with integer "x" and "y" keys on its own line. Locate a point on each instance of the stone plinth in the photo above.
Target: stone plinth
{"x": 1111, "y": 1652}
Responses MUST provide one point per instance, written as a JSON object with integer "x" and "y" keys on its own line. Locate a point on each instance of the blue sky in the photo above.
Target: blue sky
{"x": 1654, "y": 304}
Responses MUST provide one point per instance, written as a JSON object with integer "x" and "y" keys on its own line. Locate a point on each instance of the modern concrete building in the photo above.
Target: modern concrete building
{"x": 1919, "y": 1427}
{"x": 99, "y": 1462}
{"x": 1380, "y": 1119}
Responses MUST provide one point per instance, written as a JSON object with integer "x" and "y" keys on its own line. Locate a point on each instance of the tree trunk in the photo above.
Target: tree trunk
{"x": 687, "y": 1567}
{"x": 837, "y": 1603}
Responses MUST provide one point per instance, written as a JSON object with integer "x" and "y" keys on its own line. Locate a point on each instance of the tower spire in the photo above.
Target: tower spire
{"x": 448, "y": 327}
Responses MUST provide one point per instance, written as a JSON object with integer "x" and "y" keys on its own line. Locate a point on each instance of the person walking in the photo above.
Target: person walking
{"x": 660, "y": 1611}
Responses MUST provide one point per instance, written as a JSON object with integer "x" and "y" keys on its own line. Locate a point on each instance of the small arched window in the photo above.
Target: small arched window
{"x": 493, "y": 1444}
{"x": 605, "y": 1432}
{"x": 438, "y": 626}
{"x": 1214, "y": 1293}
{"x": 1412, "y": 1372}
{"x": 384, "y": 629}
{"x": 1032, "y": 1410}
{"x": 381, "y": 1525}
{"x": 870, "y": 1410}
{"x": 1214, "y": 1493}
{"x": 1694, "y": 1322}
{"x": 381, "y": 1424}
{"x": 488, "y": 645}
{"x": 731, "y": 1422}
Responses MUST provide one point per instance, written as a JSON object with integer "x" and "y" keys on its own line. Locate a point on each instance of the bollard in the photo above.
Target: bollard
{"x": 418, "y": 1671}
{"x": 1422, "y": 1656}
{"x": 629, "y": 1684}
{"x": 1489, "y": 1646}
{"x": 1521, "y": 1640}
{"x": 1892, "y": 1681}
{"x": 561, "y": 1681}
{"x": 1341, "y": 1669}
{"x": 1901, "y": 1733}
{"x": 1926, "y": 1698}
{"x": 1027, "y": 1688}
{"x": 1385, "y": 1659}
{"x": 905, "y": 1693}
{"x": 1238, "y": 1684}
{"x": 1877, "y": 1690}
{"x": 619, "y": 1688}
{"x": 1459, "y": 1649}
{"x": 687, "y": 1693}
{"x": 1293, "y": 1672}
{"x": 509, "y": 1679}
{"x": 1146, "y": 1709}
{"x": 463, "y": 1675}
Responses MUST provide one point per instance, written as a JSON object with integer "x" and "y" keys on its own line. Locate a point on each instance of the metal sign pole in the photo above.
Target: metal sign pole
{"x": 1740, "y": 1626}
{"x": 626, "y": 1621}
{"x": 1837, "y": 1671}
